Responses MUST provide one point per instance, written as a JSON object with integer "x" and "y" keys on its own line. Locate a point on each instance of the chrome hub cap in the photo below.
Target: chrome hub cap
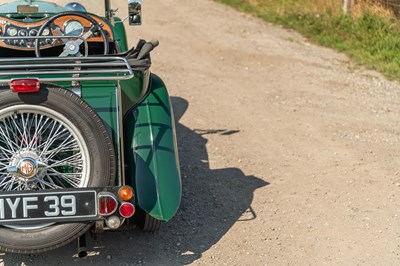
{"x": 40, "y": 149}
{"x": 26, "y": 168}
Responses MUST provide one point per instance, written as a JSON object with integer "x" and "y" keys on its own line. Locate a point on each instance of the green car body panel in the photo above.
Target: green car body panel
{"x": 151, "y": 155}
{"x": 150, "y": 148}
{"x": 120, "y": 34}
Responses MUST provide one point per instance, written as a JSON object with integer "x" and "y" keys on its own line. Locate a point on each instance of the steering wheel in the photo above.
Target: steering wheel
{"x": 72, "y": 46}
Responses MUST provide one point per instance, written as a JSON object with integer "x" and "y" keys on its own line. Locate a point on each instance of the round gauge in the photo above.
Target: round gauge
{"x": 46, "y": 32}
{"x": 73, "y": 28}
{"x": 12, "y": 31}
{"x": 22, "y": 33}
{"x": 32, "y": 32}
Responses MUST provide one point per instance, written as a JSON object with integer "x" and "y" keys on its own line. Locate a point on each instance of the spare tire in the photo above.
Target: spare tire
{"x": 58, "y": 129}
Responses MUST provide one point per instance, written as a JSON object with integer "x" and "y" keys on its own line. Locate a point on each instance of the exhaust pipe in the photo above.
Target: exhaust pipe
{"x": 82, "y": 251}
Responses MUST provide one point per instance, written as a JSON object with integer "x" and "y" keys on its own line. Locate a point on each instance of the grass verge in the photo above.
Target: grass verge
{"x": 371, "y": 37}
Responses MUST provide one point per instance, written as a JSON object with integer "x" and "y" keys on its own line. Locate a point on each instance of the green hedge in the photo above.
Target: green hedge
{"x": 370, "y": 40}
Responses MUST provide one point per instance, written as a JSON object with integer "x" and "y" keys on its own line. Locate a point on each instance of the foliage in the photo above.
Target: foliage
{"x": 370, "y": 36}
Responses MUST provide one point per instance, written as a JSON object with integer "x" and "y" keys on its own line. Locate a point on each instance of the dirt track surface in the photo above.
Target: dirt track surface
{"x": 288, "y": 152}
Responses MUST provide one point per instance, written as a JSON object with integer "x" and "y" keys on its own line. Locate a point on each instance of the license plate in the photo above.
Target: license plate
{"x": 48, "y": 206}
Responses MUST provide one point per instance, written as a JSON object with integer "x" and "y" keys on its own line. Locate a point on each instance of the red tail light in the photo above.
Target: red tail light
{"x": 25, "y": 85}
{"x": 126, "y": 210}
{"x": 107, "y": 204}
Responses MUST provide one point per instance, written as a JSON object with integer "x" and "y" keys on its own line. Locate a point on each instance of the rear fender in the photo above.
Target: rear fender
{"x": 152, "y": 165}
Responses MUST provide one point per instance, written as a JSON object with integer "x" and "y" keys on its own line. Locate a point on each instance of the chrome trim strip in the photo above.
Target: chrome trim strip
{"x": 65, "y": 65}
{"x": 121, "y": 181}
{"x": 60, "y": 72}
{"x": 113, "y": 68}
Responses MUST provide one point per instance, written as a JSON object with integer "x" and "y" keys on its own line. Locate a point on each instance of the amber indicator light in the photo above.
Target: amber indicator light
{"x": 125, "y": 193}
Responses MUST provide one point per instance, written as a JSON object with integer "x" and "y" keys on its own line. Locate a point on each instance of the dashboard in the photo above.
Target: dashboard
{"x": 19, "y": 33}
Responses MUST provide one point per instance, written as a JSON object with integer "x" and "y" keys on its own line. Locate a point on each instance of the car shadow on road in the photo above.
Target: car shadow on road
{"x": 213, "y": 201}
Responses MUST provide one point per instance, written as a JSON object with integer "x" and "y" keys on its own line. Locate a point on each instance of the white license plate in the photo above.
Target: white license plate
{"x": 48, "y": 206}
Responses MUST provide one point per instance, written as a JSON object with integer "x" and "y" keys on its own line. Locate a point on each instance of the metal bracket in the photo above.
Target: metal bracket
{"x": 76, "y": 88}
{"x": 99, "y": 227}
{"x": 75, "y": 84}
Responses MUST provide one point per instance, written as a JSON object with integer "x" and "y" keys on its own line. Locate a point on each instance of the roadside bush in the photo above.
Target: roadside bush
{"x": 370, "y": 35}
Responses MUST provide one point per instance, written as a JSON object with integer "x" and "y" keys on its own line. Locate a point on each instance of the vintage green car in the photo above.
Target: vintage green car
{"x": 87, "y": 134}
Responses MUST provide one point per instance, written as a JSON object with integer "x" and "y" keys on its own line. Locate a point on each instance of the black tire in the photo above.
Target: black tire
{"x": 145, "y": 222}
{"x": 101, "y": 169}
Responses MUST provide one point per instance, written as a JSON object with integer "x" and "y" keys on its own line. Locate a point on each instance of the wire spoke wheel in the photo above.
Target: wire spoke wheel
{"x": 51, "y": 139}
{"x": 46, "y": 137}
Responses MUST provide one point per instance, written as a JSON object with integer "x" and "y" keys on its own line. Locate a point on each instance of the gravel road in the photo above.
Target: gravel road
{"x": 288, "y": 150}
